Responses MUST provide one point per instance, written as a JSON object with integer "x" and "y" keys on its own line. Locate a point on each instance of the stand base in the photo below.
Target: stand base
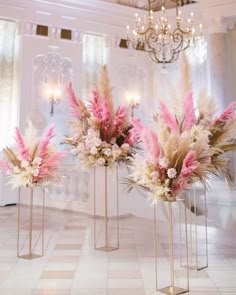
{"x": 30, "y": 256}
{"x": 173, "y": 290}
{"x": 194, "y": 267}
{"x": 107, "y": 248}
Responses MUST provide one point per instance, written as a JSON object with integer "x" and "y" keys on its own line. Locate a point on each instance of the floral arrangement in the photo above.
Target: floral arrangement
{"x": 202, "y": 118}
{"x": 101, "y": 132}
{"x": 188, "y": 144}
{"x": 170, "y": 161}
{"x": 32, "y": 162}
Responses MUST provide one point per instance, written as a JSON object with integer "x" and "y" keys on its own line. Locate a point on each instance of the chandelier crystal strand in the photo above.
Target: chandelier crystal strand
{"x": 162, "y": 43}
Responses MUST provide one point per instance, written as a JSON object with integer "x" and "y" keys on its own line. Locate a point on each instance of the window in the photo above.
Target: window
{"x": 8, "y": 105}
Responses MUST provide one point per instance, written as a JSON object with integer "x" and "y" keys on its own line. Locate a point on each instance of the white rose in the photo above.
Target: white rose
{"x": 100, "y": 161}
{"x": 125, "y": 146}
{"x": 171, "y": 173}
{"x": 97, "y": 142}
{"x": 93, "y": 150}
{"x": 73, "y": 151}
{"x": 16, "y": 170}
{"x": 116, "y": 153}
{"x": 37, "y": 160}
{"x": 35, "y": 172}
{"x": 154, "y": 175}
{"x": 164, "y": 162}
{"x": 108, "y": 152}
{"x": 80, "y": 147}
{"x": 24, "y": 164}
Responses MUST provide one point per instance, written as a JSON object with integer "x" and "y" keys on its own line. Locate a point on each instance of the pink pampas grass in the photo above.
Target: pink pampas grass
{"x": 151, "y": 143}
{"x": 24, "y": 152}
{"x": 4, "y": 166}
{"x": 44, "y": 143}
{"x": 169, "y": 119}
{"x": 188, "y": 108}
{"x": 73, "y": 102}
{"x": 227, "y": 114}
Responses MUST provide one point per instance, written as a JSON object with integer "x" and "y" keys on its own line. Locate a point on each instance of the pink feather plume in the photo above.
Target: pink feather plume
{"x": 168, "y": 118}
{"x": 51, "y": 163}
{"x": 24, "y": 152}
{"x": 227, "y": 114}
{"x": 119, "y": 119}
{"x": 73, "y": 102}
{"x": 95, "y": 107}
{"x": 44, "y": 143}
{"x": 189, "y": 164}
{"x": 4, "y": 166}
{"x": 188, "y": 108}
{"x": 151, "y": 143}
{"x": 135, "y": 131}
{"x": 105, "y": 110}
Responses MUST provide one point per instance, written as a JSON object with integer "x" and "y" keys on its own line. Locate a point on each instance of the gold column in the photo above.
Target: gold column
{"x": 30, "y": 254}
{"x": 106, "y": 247}
{"x": 172, "y": 289}
{"x": 196, "y": 264}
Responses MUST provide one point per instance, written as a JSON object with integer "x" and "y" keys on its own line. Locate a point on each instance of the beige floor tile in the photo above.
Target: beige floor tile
{"x": 56, "y": 274}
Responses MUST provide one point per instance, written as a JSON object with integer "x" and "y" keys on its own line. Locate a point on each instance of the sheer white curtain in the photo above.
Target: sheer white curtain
{"x": 94, "y": 57}
{"x": 8, "y": 105}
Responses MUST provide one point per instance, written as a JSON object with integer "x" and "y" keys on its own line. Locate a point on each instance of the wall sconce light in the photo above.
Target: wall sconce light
{"x": 133, "y": 101}
{"x": 54, "y": 98}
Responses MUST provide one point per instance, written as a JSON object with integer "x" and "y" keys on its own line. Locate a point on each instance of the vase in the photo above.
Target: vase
{"x": 172, "y": 288}
{"x": 27, "y": 223}
{"x": 105, "y": 215}
{"x": 197, "y": 261}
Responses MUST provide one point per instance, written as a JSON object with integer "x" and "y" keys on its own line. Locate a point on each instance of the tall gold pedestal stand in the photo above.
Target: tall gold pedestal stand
{"x": 172, "y": 289}
{"x": 193, "y": 234}
{"x": 30, "y": 254}
{"x": 107, "y": 247}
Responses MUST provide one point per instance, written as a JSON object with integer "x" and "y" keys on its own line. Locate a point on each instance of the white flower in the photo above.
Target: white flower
{"x": 97, "y": 141}
{"x": 24, "y": 164}
{"x": 108, "y": 152}
{"x": 35, "y": 172}
{"x": 16, "y": 170}
{"x": 92, "y": 132}
{"x": 37, "y": 160}
{"x": 171, "y": 173}
{"x": 8, "y": 172}
{"x": 116, "y": 151}
{"x": 125, "y": 146}
{"x": 73, "y": 151}
{"x": 164, "y": 162}
{"x": 100, "y": 161}
{"x": 154, "y": 175}
{"x": 93, "y": 150}
{"x": 80, "y": 147}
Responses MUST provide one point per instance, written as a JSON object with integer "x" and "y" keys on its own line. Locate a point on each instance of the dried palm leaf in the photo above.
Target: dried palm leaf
{"x": 12, "y": 157}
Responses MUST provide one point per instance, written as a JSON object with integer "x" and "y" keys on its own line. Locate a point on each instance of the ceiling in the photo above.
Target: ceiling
{"x": 155, "y": 4}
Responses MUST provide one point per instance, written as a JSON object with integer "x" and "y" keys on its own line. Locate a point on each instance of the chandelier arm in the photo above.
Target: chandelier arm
{"x": 161, "y": 42}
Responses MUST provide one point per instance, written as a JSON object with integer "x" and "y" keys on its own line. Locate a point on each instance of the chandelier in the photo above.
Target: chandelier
{"x": 157, "y": 37}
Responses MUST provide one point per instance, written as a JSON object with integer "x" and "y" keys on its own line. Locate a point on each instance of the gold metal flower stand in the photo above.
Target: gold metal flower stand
{"x": 197, "y": 261}
{"x": 108, "y": 232}
{"x": 30, "y": 228}
{"x": 172, "y": 288}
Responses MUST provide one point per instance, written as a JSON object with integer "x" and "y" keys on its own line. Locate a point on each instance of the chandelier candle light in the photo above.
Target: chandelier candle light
{"x": 157, "y": 37}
